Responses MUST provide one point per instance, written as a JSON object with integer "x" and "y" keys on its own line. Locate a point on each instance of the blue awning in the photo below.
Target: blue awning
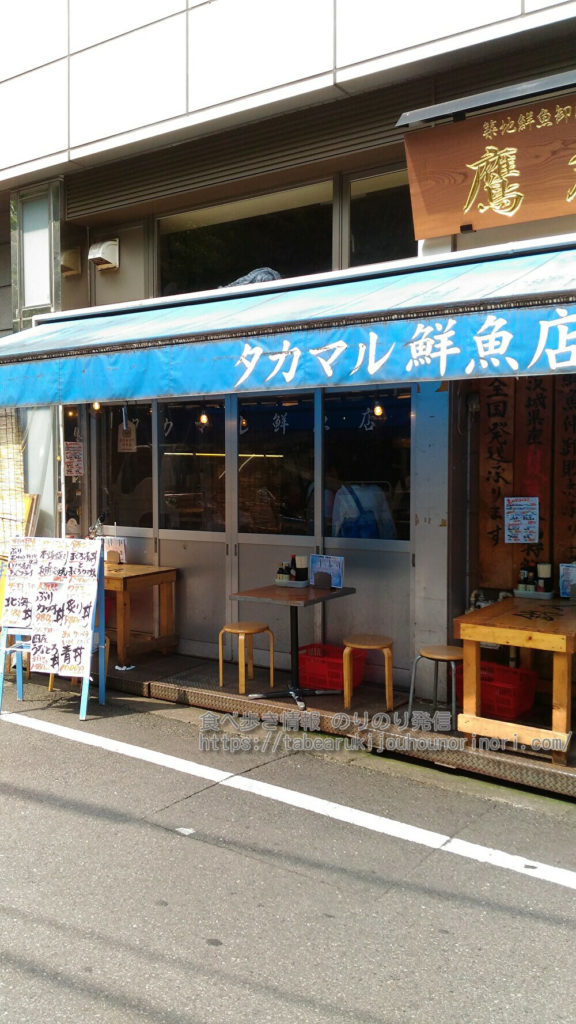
{"x": 402, "y": 323}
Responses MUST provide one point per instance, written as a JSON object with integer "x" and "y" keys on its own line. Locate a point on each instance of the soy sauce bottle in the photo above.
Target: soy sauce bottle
{"x": 293, "y": 568}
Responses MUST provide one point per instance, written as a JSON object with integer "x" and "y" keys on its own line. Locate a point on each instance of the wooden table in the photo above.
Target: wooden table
{"x": 545, "y": 625}
{"x": 293, "y": 598}
{"x": 124, "y": 580}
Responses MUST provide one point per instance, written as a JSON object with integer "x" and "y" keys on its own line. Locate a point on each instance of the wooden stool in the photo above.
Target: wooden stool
{"x": 448, "y": 655}
{"x": 367, "y": 642}
{"x": 245, "y": 631}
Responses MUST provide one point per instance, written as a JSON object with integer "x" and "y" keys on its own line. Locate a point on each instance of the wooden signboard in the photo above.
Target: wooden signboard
{"x": 495, "y": 557}
{"x": 505, "y": 166}
{"x": 533, "y": 462}
{"x": 565, "y": 470}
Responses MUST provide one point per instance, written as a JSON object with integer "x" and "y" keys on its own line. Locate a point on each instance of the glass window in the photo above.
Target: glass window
{"x": 367, "y": 464}
{"x": 289, "y": 232}
{"x": 76, "y": 510}
{"x": 36, "y": 251}
{"x": 191, "y": 465}
{"x": 381, "y": 226}
{"x": 275, "y": 465}
{"x": 124, "y": 464}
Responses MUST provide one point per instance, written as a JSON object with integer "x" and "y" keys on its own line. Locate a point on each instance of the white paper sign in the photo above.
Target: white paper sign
{"x": 51, "y": 589}
{"x": 521, "y": 520}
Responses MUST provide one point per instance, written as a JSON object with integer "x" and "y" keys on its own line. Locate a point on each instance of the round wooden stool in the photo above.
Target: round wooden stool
{"x": 438, "y": 653}
{"x": 245, "y": 631}
{"x": 368, "y": 642}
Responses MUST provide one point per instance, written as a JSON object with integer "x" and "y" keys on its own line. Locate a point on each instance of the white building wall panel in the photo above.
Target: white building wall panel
{"x": 134, "y": 80}
{"x": 238, "y": 49}
{"x": 538, "y": 5}
{"x": 33, "y": 115}
{"x": 34, "y": 33}
{"x": 91, "y": 25}
{"x": 366, "y": 30}
{"x": 140, "y": 69}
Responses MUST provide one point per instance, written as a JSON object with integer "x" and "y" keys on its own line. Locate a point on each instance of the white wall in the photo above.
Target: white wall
{"x": 88, "y": 80}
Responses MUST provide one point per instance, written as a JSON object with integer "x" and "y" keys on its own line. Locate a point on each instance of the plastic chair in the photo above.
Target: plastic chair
{"x": 245, "y": 631}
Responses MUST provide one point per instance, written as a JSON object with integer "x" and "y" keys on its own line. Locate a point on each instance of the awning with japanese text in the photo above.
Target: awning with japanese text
{"x": 513, "y": 315}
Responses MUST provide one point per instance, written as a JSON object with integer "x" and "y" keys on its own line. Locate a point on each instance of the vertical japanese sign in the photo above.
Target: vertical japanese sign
{"x": 533, "y": 461}
{"x": 496, "y": 464}
{"x": 565, "y": 470}
{"x": 50, "y": 593}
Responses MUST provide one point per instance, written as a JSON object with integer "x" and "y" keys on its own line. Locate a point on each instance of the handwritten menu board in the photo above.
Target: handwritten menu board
{"x": 50, "y": 593}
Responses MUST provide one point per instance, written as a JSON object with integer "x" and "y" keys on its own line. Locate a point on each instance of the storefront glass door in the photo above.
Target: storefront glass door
{"x": 227, "y": 489}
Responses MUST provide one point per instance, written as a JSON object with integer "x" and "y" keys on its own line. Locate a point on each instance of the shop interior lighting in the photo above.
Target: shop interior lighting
{"x": 378, "y": 409}
{"x": 204, "y": 418}
{"x": 221, "y": 455}
{"x": 96, "y": 406}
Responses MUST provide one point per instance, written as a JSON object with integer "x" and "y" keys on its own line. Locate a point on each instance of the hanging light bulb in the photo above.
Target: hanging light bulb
{"x": 96, "y": 406}
{"x": 203, "y": 418}
{"x": 378, "y": 409}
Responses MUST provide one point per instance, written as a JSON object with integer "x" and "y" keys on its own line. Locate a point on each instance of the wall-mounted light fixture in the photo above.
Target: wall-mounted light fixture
{"x": 105, "y": 255}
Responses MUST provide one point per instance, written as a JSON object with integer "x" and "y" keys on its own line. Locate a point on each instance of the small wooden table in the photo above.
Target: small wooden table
{"x": 293, "y": 598}
{"x": 124, "y": 580}
{"x": 545, "y": 625}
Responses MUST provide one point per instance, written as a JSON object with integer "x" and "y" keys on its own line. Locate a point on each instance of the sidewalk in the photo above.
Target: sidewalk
{"x": 193, "y": 682}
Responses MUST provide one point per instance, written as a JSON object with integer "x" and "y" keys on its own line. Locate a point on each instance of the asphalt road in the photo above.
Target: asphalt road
{"x": 267, "y": 885}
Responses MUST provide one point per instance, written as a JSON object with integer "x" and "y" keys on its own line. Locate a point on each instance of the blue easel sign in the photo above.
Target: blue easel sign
{"x": 53, "y": 589}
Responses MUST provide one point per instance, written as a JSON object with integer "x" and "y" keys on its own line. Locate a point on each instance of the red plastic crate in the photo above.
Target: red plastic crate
{"x": 321, "y": 666}
{"x": 506, "y": 693}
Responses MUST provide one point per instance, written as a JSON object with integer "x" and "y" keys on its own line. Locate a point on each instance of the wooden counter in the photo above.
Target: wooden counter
{"x": 545, "y": 625}
{"x": 124, "y": 580}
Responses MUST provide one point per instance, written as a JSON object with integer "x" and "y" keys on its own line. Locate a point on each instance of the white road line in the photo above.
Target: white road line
{"x": 313, "y": 804}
